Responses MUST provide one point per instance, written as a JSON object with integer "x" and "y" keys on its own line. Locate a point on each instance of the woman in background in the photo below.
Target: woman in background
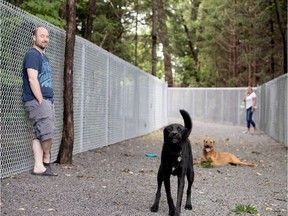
{"x": 250, "y": 101}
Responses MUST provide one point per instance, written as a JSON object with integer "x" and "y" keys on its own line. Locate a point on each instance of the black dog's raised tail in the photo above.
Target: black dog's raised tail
{"x": 187, "y": 121}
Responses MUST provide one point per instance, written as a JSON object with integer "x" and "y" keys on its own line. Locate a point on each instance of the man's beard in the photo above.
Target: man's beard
{"x": 42, "y": 47}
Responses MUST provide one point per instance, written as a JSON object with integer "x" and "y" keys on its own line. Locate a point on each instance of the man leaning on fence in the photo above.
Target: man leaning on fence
{"x": 38, "y": 97}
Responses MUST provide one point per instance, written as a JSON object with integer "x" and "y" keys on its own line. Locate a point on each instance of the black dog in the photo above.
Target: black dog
{"x": 176, "y": 159}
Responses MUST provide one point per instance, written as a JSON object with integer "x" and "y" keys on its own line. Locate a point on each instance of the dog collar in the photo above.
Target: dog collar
{"x": 179, "y": 159}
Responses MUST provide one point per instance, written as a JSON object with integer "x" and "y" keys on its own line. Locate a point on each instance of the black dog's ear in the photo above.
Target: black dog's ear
{"x": 167, "y": 130}
{"x": 165, "y": 134}
{"x": 185, "y": 132}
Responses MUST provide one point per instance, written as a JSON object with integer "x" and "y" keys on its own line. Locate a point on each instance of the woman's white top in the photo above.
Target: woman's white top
{"x": 249, "y": 100}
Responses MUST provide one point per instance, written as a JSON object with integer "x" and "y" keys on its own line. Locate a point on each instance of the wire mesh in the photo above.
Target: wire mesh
{"x": 224, "y": 105}
{"x": 274, "y": 106}
{"x": 16, "y": 130}
{"x": 111, "y": 98}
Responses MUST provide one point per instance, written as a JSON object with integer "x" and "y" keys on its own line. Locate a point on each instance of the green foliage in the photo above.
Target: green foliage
{"x": 212, "y": 43}
{"x": 237, "y": 41}
{"x": 46, "y": 10}
{"x": 241, "y": 209}
{"x": 110, "y": 30}
{"x": 186, "y": 72}
{"x": 206, "y": 164}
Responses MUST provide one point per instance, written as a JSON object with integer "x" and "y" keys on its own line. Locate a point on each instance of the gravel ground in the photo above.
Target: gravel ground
{"x": 119, "y": 180}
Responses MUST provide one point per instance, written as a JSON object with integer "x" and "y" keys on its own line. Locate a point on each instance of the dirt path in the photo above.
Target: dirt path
{"x": 120, "y": 180}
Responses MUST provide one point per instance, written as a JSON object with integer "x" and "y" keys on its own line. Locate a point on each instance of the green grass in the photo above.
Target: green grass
{"x": 240, "y": 209}
{"x": 206, "y": 164}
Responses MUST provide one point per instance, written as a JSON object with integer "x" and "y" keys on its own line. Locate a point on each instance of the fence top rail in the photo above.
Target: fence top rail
{"x": 271, "y": 82}
{"x": 208, "y": 88}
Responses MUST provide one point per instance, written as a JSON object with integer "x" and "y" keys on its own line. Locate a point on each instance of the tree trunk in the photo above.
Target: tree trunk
{"x": 166, "y": 45}
{"x": 66, "y": 147}
{"x": 90, "y": 18}
{"x": 194, "y": 16}
{"x": 190, "y": 43}
{"x": 136, "y": 34}
{"x": 230, "y": 61}
{"x": 282, "y": 26}
{"x": 272, "y": 43}
{"x": 232, "y": 68}
{"x": 18, "y": 2}
{"x": 154, "y": 36}
{"x": 235, "y": 55}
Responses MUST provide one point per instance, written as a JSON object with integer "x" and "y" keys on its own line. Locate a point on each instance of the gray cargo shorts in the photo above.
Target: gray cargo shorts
{"x": 42, "y": 117}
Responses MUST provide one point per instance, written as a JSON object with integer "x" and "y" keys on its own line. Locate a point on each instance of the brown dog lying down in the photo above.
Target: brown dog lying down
{"x": 210, "y": 154}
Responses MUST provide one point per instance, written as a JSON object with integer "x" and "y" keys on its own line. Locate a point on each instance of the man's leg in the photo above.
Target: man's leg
{"x": 38, "y": 156}
{"x": 46, "y": 146}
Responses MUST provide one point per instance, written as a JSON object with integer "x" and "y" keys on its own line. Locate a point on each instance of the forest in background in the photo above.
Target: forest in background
{"x": 187, "y": 43}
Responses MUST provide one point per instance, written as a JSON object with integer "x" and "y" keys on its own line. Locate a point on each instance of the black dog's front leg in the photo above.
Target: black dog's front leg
{"x": 169, "y": 196}
{"x": 155, "y": 206}
{"x": 180, "y": 189}
{"x": 190, "y": 179}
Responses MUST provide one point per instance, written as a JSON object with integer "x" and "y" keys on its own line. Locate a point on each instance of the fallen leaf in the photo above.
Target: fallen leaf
{"x": 117, "y": 202}
{"x": 127, "y": 171}
{"x": 84, "y": 177}
{"x": 67, "y": 167}
{"x": 259, "y": 174}
{"x": 128, "y": 154}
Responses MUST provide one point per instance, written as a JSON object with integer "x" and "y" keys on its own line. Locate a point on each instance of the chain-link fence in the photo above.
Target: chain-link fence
{"x": 225, "y": 105}
{"x": 113, "y": 100}
{"x": 274, "y": 108}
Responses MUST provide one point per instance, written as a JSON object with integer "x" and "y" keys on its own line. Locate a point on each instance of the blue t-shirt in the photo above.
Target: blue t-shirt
{"x": 37, "y": 61}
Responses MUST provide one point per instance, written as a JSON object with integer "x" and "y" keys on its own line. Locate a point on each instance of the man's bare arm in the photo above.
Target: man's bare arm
{"x": 34, "y": 84}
